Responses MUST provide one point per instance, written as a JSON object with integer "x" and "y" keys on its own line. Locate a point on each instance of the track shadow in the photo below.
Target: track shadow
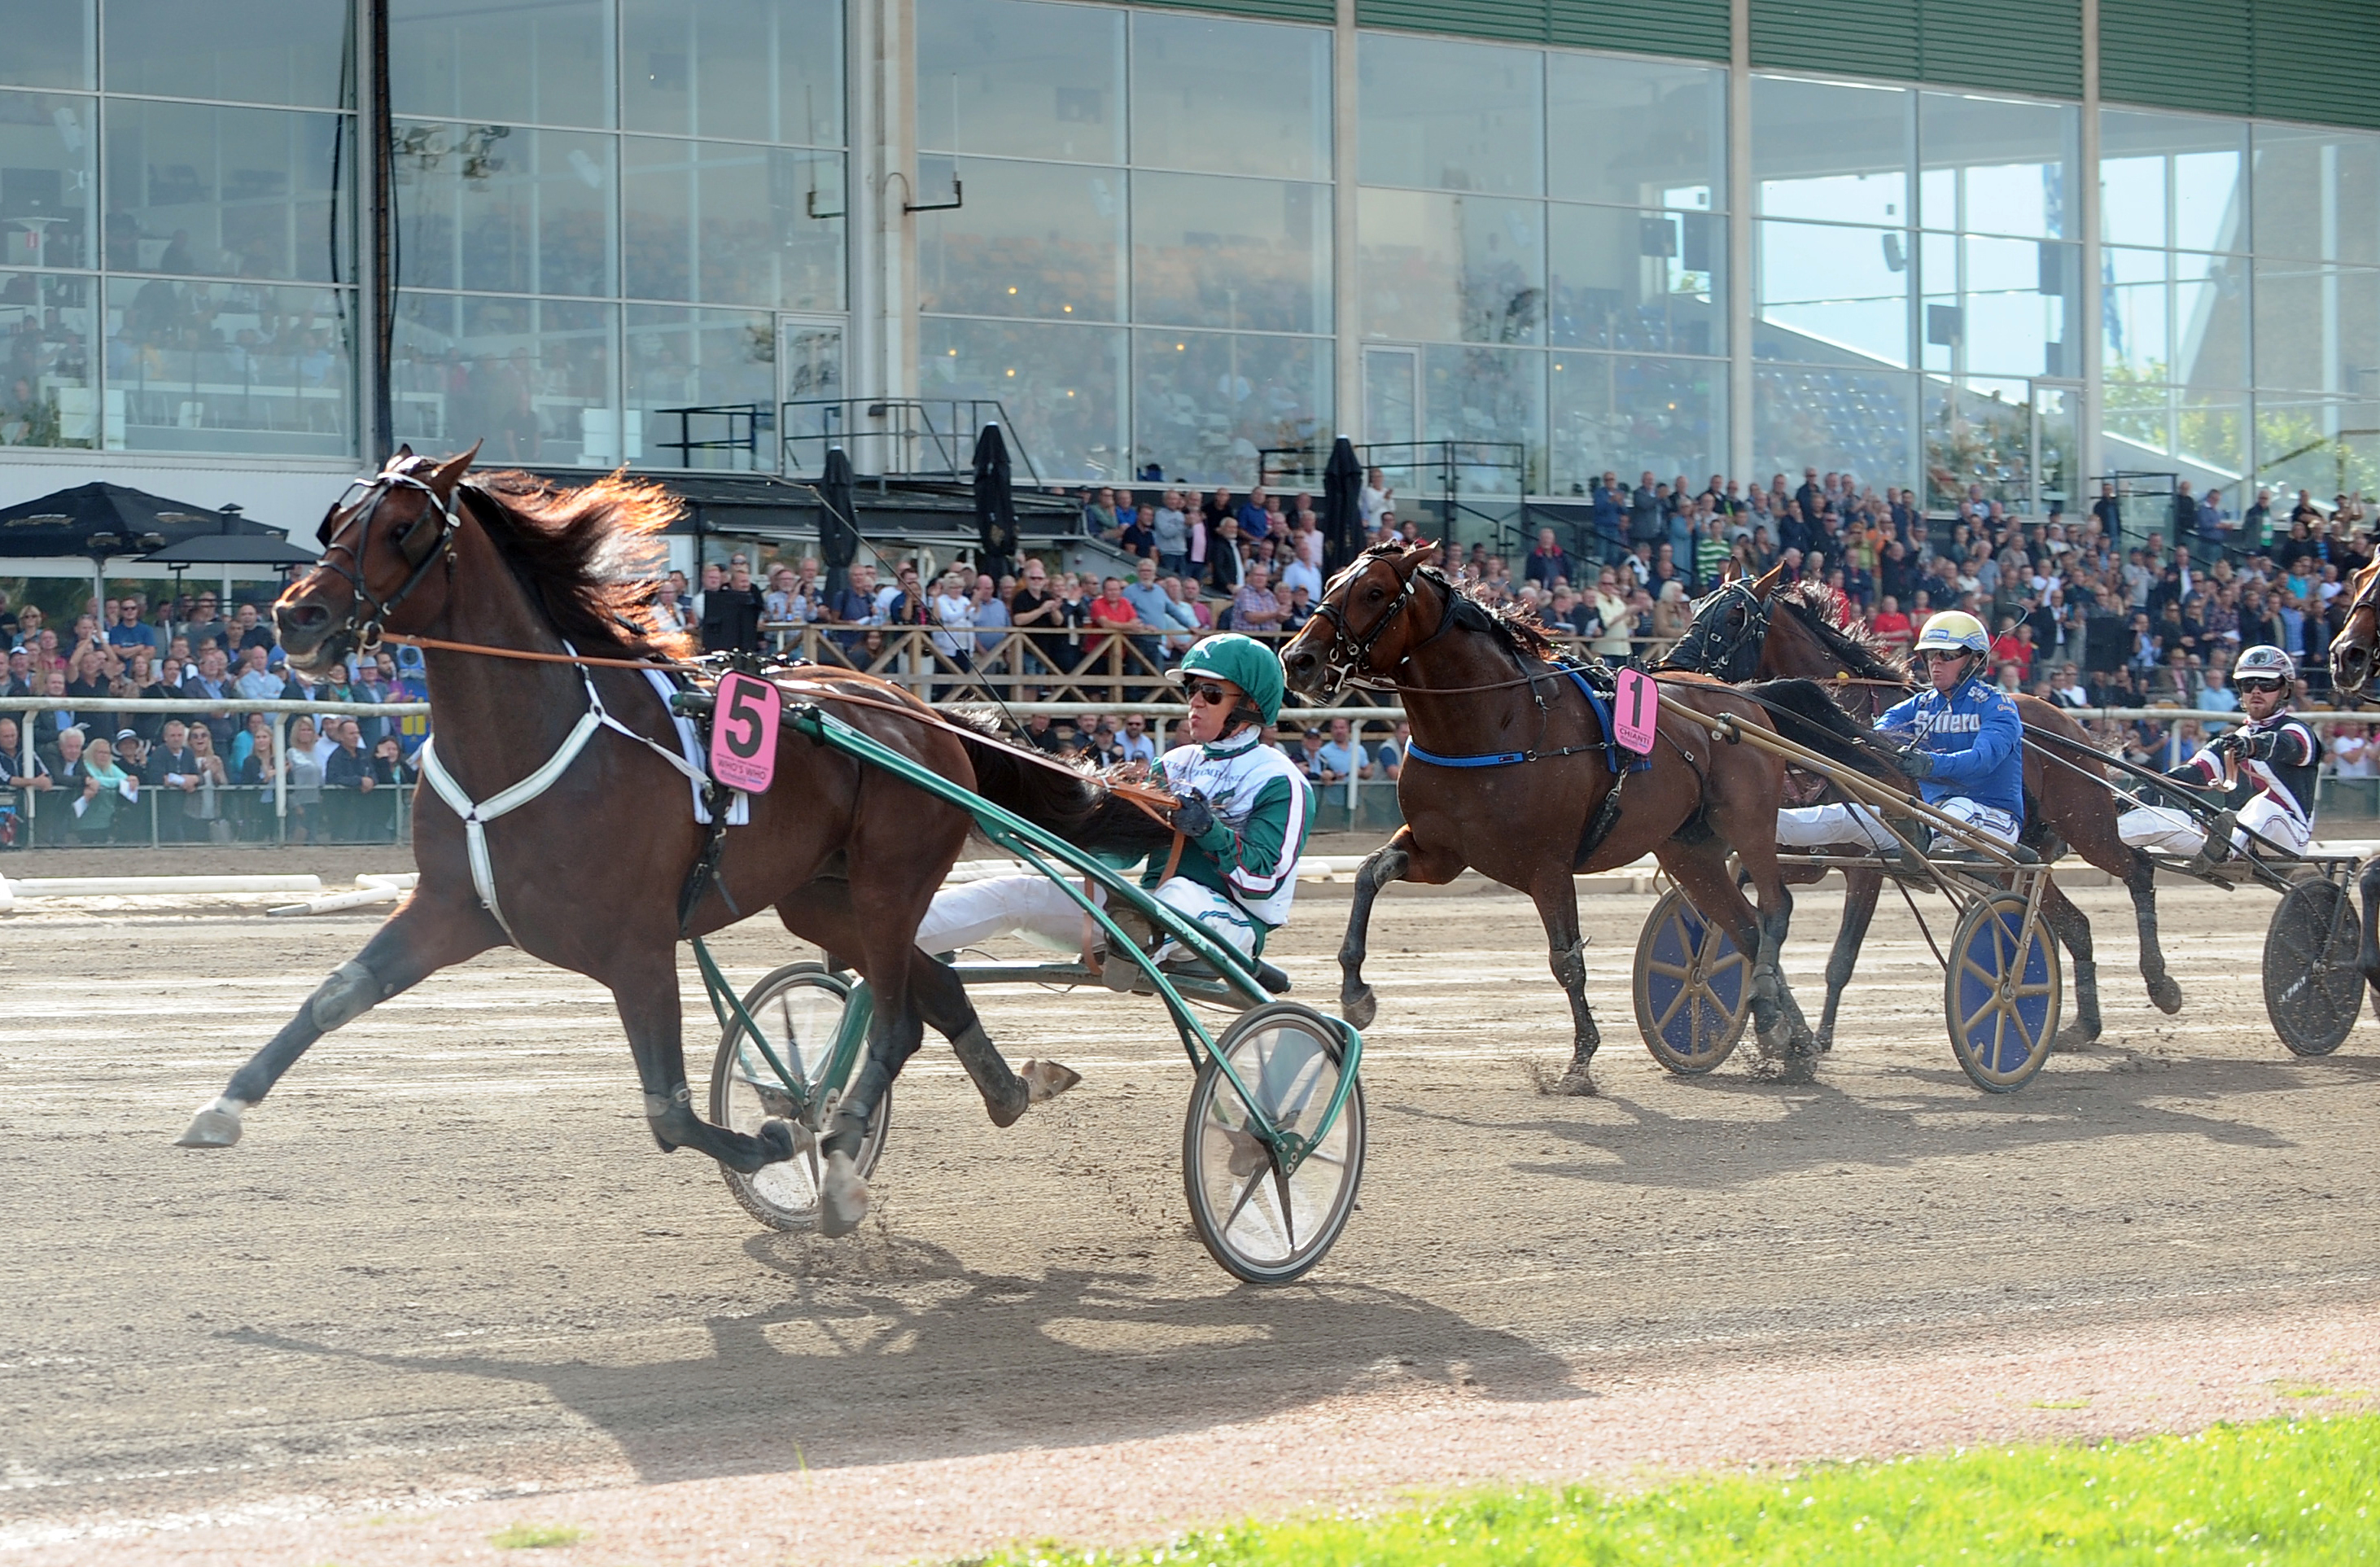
{"x": 923, "y": 1358}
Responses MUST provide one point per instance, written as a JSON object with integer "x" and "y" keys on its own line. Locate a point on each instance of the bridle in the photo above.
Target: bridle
{"x": 1692, "y": 652}
{"x": 1354, "y": 667}
{"x": 418, "y": 549}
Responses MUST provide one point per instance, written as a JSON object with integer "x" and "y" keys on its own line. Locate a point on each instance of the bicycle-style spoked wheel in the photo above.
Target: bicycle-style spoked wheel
{"x": 2313, "y": 988}
{"x": 2001, "y": 994}
{"x": 801, "y": 1006}
{"x": 1694, "y": 987}
{"x": 1261, "y": 1225}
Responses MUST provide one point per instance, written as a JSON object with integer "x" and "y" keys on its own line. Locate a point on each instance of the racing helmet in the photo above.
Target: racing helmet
{"x": 2265, "y": 661}
{"x": 1955, "y": 631}
{"x": 1246, "y": 663}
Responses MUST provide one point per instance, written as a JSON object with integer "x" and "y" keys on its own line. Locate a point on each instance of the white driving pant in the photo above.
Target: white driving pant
{"x": 1039, "y": 910}
{"x": 2163, "y": 830}
{"x": 1811, "y": 827}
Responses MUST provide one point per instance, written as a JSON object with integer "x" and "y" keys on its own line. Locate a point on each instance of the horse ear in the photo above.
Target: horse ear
{"x": 401, "y": 453}
{"x": 446, "y": 475}
{"x": 1770, "y": 582}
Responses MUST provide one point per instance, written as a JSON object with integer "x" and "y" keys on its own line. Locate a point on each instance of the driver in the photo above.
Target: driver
{"x": 2266, "y": 766}
{"x": 1244, "y": 814}
{"x": 1966, "y": 749}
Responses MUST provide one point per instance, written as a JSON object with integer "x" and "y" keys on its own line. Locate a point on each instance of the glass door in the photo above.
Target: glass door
{"x": 810, "y": 391}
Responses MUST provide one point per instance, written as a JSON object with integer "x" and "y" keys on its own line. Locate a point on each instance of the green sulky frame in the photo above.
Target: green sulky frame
{"x": 1039, "y": 849}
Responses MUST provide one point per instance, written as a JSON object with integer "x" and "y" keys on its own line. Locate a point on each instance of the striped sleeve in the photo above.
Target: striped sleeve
{"x": 1265, "y": 854}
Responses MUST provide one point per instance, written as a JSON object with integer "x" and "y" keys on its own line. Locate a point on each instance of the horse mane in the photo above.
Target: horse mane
{"x": 1863, "y": 653}
{"x": 591, "y": 555}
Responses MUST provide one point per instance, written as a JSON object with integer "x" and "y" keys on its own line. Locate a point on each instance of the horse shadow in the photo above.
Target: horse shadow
{"x": 925, "y": 1358}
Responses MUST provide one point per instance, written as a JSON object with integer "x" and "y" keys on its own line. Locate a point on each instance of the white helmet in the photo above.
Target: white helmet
{"x": 1955, "y": 631}
{"x": 2266, "y": 661}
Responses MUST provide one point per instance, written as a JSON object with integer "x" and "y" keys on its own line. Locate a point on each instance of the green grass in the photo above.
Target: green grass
{"x": 2282, "y": 1490}
{"x": 536, "y": 1536}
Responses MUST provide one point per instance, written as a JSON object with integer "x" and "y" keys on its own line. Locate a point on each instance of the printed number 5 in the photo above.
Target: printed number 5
{"x": 744, "y": 717}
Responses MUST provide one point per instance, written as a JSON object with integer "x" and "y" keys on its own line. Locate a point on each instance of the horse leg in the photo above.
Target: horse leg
{"x": 1777, "y": 1020}
{"x": 424, "y": 935}
{"x": 2140, "y": 880}
{"x": 1860, "y": 889}
{"x": 943, "y": 1002}
{"x": 1386, "y": 864}
{"x": 645, "y": 990}
{"x": 2072, "y": 927}
{"x": 2367, "y": 884}
{"x": 1556, "y": 896}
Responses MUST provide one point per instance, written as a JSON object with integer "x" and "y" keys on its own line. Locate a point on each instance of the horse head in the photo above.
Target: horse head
{"x": 1728, "y": 627}
{"x": 379, "y": 539}
{"x": 2352, "y": 651}
{"x": 1359, "y": 630}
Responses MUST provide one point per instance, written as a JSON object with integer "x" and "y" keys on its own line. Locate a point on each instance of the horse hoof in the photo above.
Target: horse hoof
{"x": 1359, "y": 1007}
{"x": 1577, "y": 1082}
{"x": 779, "y": 1141}
{"x": 1046, "y": 1080}
{"x": 2165, "y": 993}
{"x": 217, "y": 1126}
{"x": 842, "y": 1197}
{"x": 2074, "y": 1036}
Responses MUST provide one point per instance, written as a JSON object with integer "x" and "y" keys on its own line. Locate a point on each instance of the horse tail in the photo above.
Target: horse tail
{"x": 1074, "y": 803}
{"x": 1806, "y": 714}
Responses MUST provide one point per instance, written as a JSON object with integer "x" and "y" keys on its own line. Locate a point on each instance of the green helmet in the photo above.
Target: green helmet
{"x": 1246, "y": 663}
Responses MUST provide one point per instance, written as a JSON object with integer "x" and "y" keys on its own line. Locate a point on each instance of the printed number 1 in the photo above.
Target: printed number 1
{"x": 1635, "y": 704}
{"x": 742, "y": 710}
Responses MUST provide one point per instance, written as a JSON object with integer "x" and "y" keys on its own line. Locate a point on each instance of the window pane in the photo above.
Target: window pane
{"x": 1034, "y": 240}
{"x": 2192, "y": 164}
{"x": 1492, "y": 397}
{"x": 1996, "y": 165}
{"x": 1645, "y": 281}
{"x": 2213, "y": 430}
{"x": 254, "y": 51}
{"x": 1827, "y": 418}
{"x": 1830, "y": 151}
{"x": 1250, "y": 254}
{"x": 729, "y": 223}
{"x": 526, "y": 211}
{"x": 1456, "y": 116}
{"x": 2317, "y": 194}
{"x": 1831, "y": 294}
{"x": 1466, "y": 268}
{"x": 2317, "y": 327}
{"x": 749, "y": 70}
{"x": 1636, "y": 134}
{"x": 229, "y": 366}
{"x": 1062, "y": 385}
{"x": 1206, "y": 403}
{"x": 1978, "y": 444}
{"x": 1231, "y": 97}
{"x": 237, "y": 193}
{"x": 1622, "y": 413}
{"x": 2210, "y": 321}
{"x": 532, "y": 377}
{"x": 1997, "y": 307}
{"x": 46, "y": 383}
{"x": 1021, "y": 78}
{"x": 49, "y": 43}
{"x": 45, "y": 179}
{"x": 538, "y": 62}
{"x": 2135, "y": 339}
{"x": 2321, "y": 444}
{"x": 680, "y": 358}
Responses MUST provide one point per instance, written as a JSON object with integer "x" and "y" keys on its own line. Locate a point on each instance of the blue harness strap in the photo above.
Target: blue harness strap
{"x": 1613, "y": 753}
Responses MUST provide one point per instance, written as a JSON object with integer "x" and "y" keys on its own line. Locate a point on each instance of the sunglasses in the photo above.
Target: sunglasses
{"x": 1213, "y": 695}
{"x": 2261, "y": 686}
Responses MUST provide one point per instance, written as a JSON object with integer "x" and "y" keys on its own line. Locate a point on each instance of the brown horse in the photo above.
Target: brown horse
{"x": 1509, "y": 773}
{"x": 2354, "y": 660}
{"x": 587, "y": 874}
{"x": 1737, "y": 634}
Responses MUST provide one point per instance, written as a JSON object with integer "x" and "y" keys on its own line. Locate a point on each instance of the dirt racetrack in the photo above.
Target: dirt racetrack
{"x": 446, "y": 1282}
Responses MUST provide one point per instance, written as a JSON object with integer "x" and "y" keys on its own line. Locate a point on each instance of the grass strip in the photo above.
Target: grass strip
{"x": 2280, "y": 1490}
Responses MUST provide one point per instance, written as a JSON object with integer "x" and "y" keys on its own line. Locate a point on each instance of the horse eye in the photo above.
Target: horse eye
{"x": 1376, "y": 593}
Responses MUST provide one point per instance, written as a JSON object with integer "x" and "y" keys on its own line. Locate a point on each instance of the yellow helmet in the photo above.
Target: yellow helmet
{"x": 1955, "y": 631}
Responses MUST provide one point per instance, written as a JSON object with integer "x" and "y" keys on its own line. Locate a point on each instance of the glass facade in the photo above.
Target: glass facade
{"x": 609, "y": 213}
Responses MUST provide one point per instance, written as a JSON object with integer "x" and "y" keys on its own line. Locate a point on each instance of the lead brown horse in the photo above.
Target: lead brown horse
{"x": 1521, "y": 787}
{"x": 1759, "y": 628}
{"x": 587, "y": 874}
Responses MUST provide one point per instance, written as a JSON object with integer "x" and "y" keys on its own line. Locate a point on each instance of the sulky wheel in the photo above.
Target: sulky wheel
{"x": 802, "y": 1007}
{"x": 2002, "y": 1003}
{"x": 1693, "y": 987}
{"x": 1263, "y": 1226}
{"x": 2313, "y": 988}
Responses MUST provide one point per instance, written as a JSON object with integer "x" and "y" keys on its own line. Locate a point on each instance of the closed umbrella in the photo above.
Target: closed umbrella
{"x": 995, "y": 506}
{"x": 838, "y": 522}
{"x": 1343, "y": 513}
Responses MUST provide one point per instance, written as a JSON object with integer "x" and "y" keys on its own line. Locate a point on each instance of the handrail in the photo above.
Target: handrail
{"x": 905, "y": 427}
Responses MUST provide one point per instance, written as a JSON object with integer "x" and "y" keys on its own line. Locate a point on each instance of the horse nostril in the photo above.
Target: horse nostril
{"x": 301, "y": 617}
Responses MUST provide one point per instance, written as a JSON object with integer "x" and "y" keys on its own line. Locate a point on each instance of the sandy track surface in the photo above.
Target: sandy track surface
{"x": 447, "y": 1282}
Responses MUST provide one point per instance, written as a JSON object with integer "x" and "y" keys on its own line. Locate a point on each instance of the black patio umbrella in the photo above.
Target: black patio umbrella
{"x": 1343, "y": 514}
{"x": 995, "y": 505}
{"x": 232, "y": 548}
{"x": 99, "y": 521}
{"x": 838, "y": 521}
